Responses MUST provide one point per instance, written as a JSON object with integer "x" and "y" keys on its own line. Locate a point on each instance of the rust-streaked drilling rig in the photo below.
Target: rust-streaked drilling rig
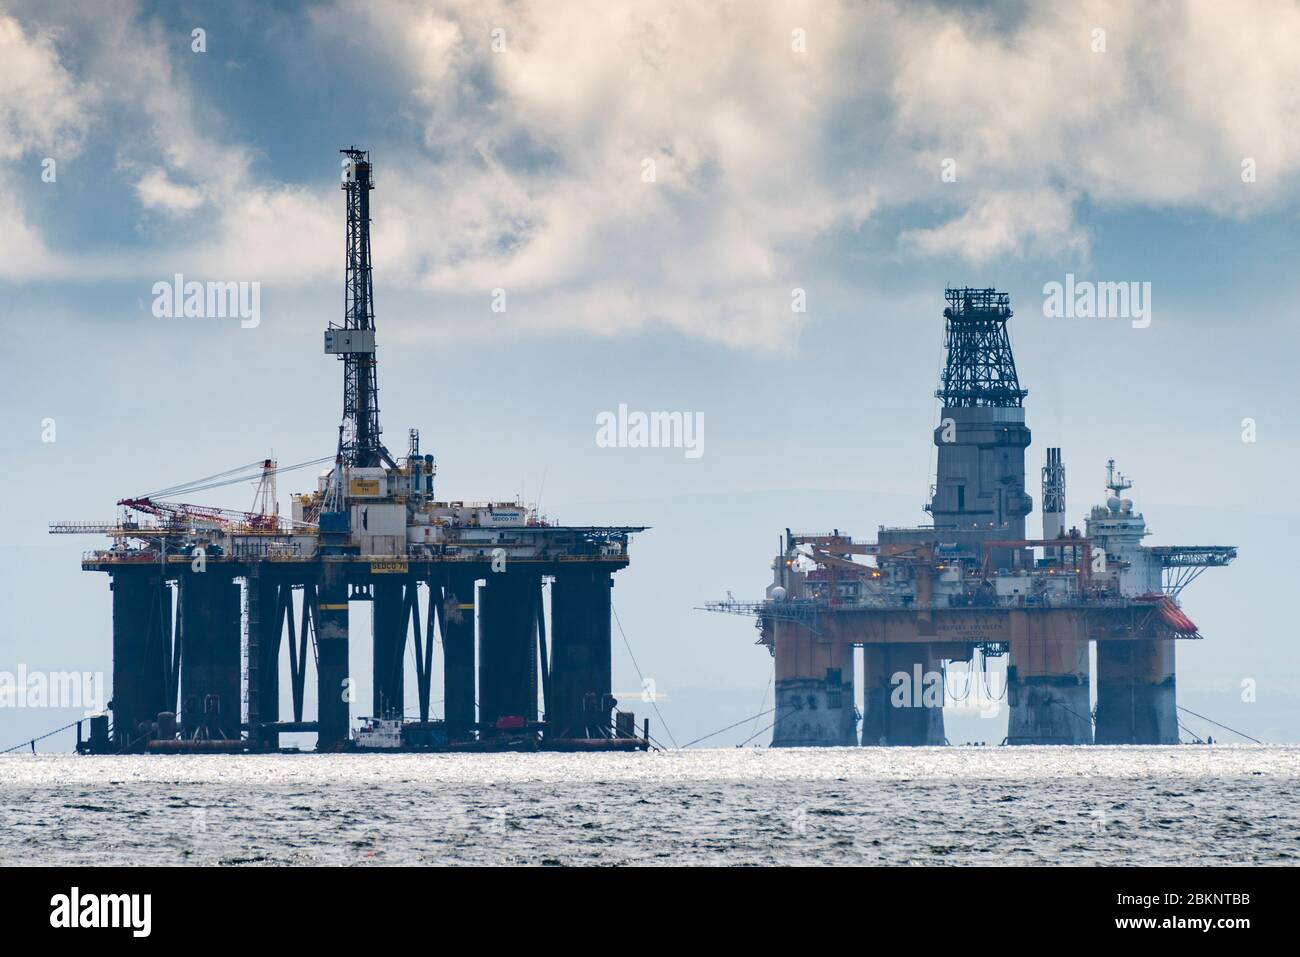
{"x": 205, "y": 600}
{"x": 971, "y": 587}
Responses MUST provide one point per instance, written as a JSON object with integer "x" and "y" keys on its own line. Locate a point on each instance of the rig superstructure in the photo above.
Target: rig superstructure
{"x": 206, "y": 600}
{"x": 972, "y": 587}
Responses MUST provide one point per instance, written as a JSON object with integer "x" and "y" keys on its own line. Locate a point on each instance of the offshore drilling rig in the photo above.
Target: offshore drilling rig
{"x": 206, "y": 600}
{"x": 970, "y": 587}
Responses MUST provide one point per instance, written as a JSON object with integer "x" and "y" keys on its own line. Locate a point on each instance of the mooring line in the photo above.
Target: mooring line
{"x": 713, "y": 734}
{"x": 653, "y": 703}
{"x": 1217, "y": 725}
{"x": 32, "y": 741}
{"x": 768, "y": 728}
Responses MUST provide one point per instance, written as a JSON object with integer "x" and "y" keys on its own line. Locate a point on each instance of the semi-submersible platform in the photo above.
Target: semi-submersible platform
{"x": 970, "y": 587}
{"x": 206, "y": 601}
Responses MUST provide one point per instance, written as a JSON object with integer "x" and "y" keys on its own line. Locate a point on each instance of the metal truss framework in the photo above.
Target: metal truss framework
{"x": 980, "y": 370}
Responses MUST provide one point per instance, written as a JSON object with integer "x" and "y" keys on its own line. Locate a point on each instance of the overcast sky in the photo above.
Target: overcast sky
{"x": 861, "y": 155}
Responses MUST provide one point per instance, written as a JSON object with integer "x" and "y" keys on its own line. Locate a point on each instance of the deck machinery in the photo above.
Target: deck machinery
{"x": 206, "y": 601}
{"x": 972, "y": 587}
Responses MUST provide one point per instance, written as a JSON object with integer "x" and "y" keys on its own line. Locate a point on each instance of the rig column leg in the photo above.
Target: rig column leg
{"x": 422, "y": 638}
{"x": 814, "y": 690}
{"x": 298, "y": 639}
{"x": 1047, "y": 685}
{"x": 333, "y": 688}
{"x": 913, "y": 682}
{"x": 875, "y": 697}
{"x": 1136, "y": 692}
{"x": 390, "y": 622}
{"x": 265, "y": 615}
{"x": 210, "y": 658}
{"x": 456, "y": 624}
{"x": 508, "y": 659}
{"x": 543, "y": 656}
{"x": 581, "y": 680}
{"x": 142, "y": 643}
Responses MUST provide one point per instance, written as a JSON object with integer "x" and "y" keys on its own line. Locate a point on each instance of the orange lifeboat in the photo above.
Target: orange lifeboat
{"x": 1170, "y": 613}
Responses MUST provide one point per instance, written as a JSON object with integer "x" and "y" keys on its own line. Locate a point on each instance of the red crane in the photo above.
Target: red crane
{"x": 173, "y": 515}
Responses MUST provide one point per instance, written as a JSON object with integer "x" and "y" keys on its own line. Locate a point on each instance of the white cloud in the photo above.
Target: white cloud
{"x": 44, "y": 112}
{"x": 527, "y": 173}
{"x": 23, "y": 253}
{"x": 41, "y": 106}
{"x": 999, "y": 225}
{"x": 283, "y": 234}
{"x": 538, "y": 187}
{"x": 240, "y": 227}
{"x": 157, "y": 191}
{"x": 1036, "y": 119}
{"x": 759, "y": 150}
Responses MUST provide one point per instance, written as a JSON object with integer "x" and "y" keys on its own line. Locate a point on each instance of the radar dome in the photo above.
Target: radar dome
{"x": 1113, "y": 503}
{"x": 778, "y": 593}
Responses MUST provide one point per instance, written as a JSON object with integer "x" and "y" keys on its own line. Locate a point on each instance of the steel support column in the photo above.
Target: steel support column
{"x": 265, "y": 625}
{"x": 581, "y": 678}
{"x": 1136, "y": 692}
{"x": 299, "y": 637}
{"x": 422, "y": 630}
{"x": 814, "y": 689}
{"x": 543, "y": 655}
{"x": 1047, "y": 684}
{"x": 390, "y": 624}
{"x": 456, "y": 625}
{"x": 142, "y": 650}
{"x": 910, "y": 681}
{"x": 875, "y": 697}
{"x": 507, "y": 649}
{"x": 333, "y": 690}
{"x": 210, "y": 656}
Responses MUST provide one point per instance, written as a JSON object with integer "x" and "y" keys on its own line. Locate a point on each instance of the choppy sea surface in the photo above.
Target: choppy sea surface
{"x": 1060, "y": 805}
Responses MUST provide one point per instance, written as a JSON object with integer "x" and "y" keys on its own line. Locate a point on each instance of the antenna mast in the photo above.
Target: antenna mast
{"x": 1115, "y": 480}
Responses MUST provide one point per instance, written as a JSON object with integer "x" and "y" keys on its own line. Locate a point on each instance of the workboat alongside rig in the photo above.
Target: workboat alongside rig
{"x": 395, "y": 735}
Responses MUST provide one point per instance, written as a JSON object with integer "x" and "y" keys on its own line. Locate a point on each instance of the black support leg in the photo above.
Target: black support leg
{"x": 456, "y": 621}
{"x": 508, "y": 656}
{"x": 581, "y": 664}
{"x": 390, "y": 621}
{"x": 210, "y": 659}
{"x": 142, "y": 648}
{"x": 334, "y": 692}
